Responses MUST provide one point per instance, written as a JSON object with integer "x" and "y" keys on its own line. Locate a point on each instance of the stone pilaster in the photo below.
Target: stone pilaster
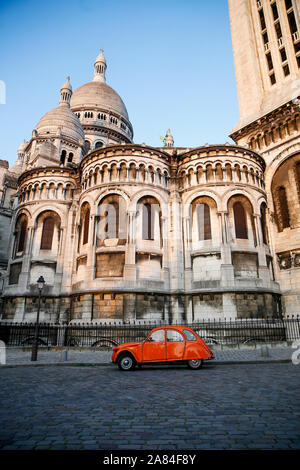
{"x": 19, "y": 309}
{"x": 129, "y": 307}
{"x": 129, "y": 273}
{"x": 87, "y": 308}
{"x": 227, "y": 269}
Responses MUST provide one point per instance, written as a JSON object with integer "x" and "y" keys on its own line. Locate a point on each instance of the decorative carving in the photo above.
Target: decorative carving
{"x": 288, "y": 259}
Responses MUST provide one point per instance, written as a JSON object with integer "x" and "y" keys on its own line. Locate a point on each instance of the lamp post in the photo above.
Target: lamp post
{"x": 40, "y": 283}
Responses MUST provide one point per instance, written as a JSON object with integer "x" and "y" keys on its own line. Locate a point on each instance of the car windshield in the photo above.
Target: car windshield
{"x": 190, "y": 336}
{"x": 157, "y": 336}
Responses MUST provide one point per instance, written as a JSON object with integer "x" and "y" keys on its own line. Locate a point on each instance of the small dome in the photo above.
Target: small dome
{"x": 100, "y": 57}
{"x": 22, "y": 147}
{"x": 61, "y": 118}
{"x": 99, "y": 95}
{"x": 67, "y": 85}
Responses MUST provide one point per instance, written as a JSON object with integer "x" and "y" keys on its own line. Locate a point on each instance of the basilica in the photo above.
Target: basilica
{"x": 122, "y": 231}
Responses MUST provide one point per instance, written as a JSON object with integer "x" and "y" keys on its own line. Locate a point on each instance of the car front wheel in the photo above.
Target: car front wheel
{"x": 195, "y": 363}
{"x": 126, "y": 362}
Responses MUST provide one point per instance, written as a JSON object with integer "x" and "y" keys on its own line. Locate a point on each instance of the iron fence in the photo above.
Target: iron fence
{"x": 106, "y": 335}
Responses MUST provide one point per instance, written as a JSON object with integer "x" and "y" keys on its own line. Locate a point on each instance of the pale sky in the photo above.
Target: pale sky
{"x": 170, "y": 61}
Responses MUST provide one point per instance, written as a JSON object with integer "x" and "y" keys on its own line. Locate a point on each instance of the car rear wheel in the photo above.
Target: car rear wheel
{"x": 195, "y": 363}
{"x": 126, "y": 362}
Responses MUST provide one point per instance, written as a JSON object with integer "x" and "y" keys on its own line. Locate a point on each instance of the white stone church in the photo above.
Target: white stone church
{"x": 124, "y": 231}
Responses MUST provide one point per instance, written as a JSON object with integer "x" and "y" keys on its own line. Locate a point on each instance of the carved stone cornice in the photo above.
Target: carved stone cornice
{"x": 266, "y": 122}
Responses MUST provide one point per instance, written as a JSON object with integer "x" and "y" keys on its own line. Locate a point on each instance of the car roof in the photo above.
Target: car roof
{"x": 176, "y": 327}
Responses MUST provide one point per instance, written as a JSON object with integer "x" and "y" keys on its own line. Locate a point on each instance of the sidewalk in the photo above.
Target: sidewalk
{"x": 259, "y": 354}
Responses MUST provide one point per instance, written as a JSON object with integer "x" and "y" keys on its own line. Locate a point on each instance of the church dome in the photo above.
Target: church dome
{"x": 98, "y": 94}
{"x": 102, "y": 113}
{"x": 61, "y": 119}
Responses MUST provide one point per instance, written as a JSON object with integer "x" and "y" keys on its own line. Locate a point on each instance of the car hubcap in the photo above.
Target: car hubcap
{"x": 126, "y": 363}
{"x": 195, "y": 363}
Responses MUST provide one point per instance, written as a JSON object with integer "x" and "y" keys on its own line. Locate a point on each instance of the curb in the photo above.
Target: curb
{"x": 254, "y": 361}
{"x": 105, "y": 364}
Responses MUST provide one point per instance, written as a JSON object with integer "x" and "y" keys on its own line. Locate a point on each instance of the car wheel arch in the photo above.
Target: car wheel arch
{"x": 125, "y": 353}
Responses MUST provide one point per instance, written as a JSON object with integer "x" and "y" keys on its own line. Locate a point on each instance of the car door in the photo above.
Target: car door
{"x": 154, "y": 347}
{"x": 175, "y": 345}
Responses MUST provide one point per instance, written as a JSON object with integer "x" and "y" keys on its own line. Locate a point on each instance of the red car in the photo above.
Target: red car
{"x": 166, "y": 344}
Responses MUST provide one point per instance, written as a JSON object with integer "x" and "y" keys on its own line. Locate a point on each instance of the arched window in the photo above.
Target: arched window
{"x": 264, "y": 230}
{"x": 149, "y": 219}
{"x": 63, "y": 157}
{"x": 298, "y": 171}
{"x": 47, "y": 233}
{"x": 148, "y": 222}
{"x": 240, "y": 220}
{"x": 112, "y": 218}
{"x": 86, "y": 224}
{"x": 298, "y": 177}
{"x": 70, "y": 157}
{"x": 98, "y": 144}
{"x": 283, "y": 207}
{"x": 21, "y": 243}
{"x": 203, "y": 219}
{"x": 111, "y": 228}
{"x": 21, "y": 227}
{"x": 87, "y": 144}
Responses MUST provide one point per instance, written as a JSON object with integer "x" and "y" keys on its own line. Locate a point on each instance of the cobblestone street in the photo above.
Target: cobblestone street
{"x": 254, "y": 406}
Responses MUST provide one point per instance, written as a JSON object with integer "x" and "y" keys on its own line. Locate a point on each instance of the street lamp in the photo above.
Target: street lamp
{"x": 40, "y": 284}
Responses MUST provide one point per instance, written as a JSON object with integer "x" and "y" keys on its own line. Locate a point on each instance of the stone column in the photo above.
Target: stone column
{"x": 65, "y": 259}
{"x": 227, "y": 269}
{"x": 64, "y": 310}
{"x": 293, "y": 198}
{"x": 147, "y": 176}
{"x": 189, "y": 308}
{"x": 177, "y": 308}
{"x": 130, "y": 264}
{"x": 87, "y": 307}
{"x": 188, "y": 273}
{"x": 263, "y": 270}
{"x": 24, "y": 277}
{"x": 166, "y": 313}
{"x": 165, "y": 264}
{"x": 20, "y": 310}
{"x": 229, "y": 306}
{"x": 91, "y": 248}
{"x": 175, "y": 243}
{"x": 129, "y": 307}
{"x": 56, "y": 309}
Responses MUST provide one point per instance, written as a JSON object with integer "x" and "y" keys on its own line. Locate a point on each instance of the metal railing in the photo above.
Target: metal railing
{"x": 109, "y": 334}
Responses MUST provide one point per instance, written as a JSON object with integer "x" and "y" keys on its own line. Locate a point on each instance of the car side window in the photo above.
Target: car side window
{"x": 157, "y": 337}
{"x": 189, "y": 335}
{"x": 174, "y": 336}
